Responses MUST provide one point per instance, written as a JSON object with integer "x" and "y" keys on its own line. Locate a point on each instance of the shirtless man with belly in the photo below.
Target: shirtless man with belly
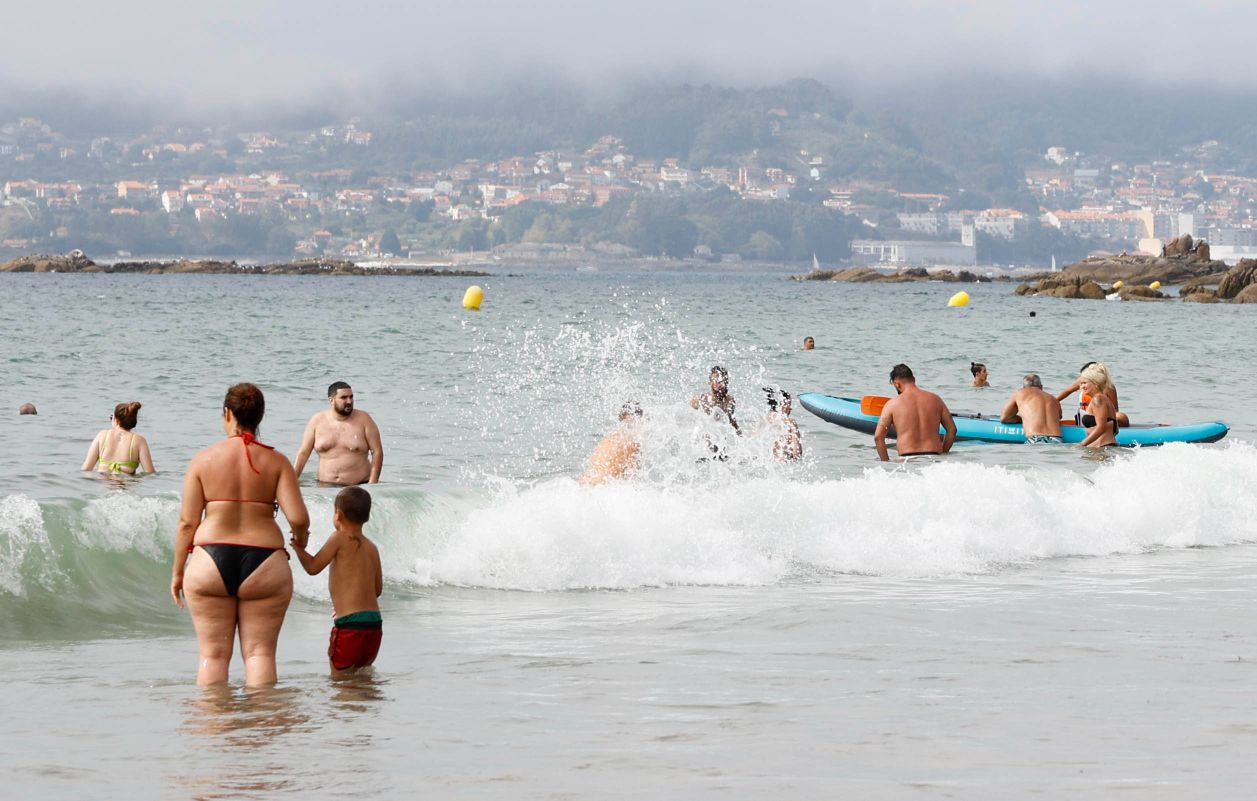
{"x": 347, "y": 441}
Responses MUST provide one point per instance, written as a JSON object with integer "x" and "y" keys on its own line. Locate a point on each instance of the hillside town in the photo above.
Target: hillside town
{"x": 163, "y": 178}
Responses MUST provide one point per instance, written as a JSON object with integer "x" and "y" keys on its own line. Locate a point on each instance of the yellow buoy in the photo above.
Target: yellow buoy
{"x": 1155, "y": 285}
{"x": 1118, "y": 284}
{"x": 473, "y": 297}
{"x": 959, "y": 299}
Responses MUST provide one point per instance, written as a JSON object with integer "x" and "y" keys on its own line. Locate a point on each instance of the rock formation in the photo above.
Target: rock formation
{"x": 1247, "y": 295}
{"x": 867, "y": 275}
{"x": 1238, "y": 278}
{"x": 76, "y": 262}
{"x": 1180, "y": 245}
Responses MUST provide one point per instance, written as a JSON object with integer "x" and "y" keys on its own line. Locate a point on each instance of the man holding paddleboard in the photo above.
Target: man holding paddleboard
{"x": 916, "y": 415}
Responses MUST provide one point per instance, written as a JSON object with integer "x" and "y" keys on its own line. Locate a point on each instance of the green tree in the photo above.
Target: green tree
{"x": 389, "y": 242}
{"x": 763, "y": 246}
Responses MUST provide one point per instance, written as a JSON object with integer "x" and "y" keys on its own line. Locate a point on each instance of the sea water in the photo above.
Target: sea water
{"x": 1007, "y": 621}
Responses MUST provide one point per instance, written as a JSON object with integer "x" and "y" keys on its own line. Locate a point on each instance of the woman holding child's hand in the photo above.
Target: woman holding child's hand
{"x": 230, "y": 563}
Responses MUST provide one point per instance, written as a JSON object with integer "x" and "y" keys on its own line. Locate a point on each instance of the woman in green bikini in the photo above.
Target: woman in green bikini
{"x": 119, "y": 449}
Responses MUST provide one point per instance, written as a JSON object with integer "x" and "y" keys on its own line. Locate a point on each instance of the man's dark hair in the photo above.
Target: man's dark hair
{"x": 355, "y": 504}
{"x": 773, "y": 400}
{"x": 902, "y": 372}
{"x": 336, "y": 386}
{"x": 722, "y": 372}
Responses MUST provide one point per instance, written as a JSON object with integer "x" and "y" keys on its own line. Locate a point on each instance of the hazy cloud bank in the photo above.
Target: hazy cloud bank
{"x": 302, "y": 52}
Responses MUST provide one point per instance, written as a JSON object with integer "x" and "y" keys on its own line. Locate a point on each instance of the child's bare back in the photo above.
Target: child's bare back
{"x": 356, "y": 578}
{"x": 355, "y": 582}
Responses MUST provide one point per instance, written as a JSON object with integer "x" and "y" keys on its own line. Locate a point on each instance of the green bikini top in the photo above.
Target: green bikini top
{"x": 130, "y": 465}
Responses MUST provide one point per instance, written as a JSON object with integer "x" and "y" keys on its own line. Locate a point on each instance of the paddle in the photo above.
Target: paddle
{"x": 872, "y": 405}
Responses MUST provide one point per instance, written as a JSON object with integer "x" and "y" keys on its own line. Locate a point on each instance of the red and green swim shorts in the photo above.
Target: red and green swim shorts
{"x": 355, "y": 640}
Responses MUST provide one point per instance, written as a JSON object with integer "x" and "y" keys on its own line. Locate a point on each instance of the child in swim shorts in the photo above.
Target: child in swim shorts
{"x": 355, "y": 582}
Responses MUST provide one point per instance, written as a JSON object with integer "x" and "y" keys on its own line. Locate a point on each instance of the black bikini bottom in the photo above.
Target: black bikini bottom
{"x": 237, "y": 562}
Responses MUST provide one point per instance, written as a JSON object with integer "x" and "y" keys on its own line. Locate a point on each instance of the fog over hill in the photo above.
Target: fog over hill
{"x": 299, "y": 51}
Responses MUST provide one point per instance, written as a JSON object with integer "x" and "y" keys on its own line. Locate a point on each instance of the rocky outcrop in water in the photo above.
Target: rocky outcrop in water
{"x": 1247, "y": 295}
{"x": 76, "y": 262}
{"x": 1239, "y": 278}
{"x": 867, "y": 275}
{"x": 1202, "y": 280}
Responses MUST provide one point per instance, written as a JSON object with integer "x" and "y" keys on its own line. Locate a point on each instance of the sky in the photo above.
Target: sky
{"x": 260, "y": 50}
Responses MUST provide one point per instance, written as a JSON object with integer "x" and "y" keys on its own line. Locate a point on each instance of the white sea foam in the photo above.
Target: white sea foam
{"x": 124, "y": 522}
{"x": 741, "y": 523}
{"x": 944, "y": 518}
{"x": 21, "y": 534}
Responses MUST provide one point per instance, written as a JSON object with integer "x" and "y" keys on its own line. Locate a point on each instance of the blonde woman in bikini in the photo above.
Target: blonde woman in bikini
{"x": 1100, "y": 415}
{"x": 118, "y": 449}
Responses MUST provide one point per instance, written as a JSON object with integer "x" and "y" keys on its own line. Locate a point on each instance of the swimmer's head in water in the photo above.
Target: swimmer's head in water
{"x": 247, "y": 406}
{"x": 127, "y": 415}
{"x": 630, "y": 409}
{"x": 719, "y": 379}
{"x": 1032, "y": 380}
{"x": 809, "y": 343}
{"x": 977, "y": 367}
{"x": 354, "y": 503}
{"x": 27, "y": 408}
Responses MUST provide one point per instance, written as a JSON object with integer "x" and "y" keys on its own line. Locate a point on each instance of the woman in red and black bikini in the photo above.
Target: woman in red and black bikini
{"x": 230, "y": 564}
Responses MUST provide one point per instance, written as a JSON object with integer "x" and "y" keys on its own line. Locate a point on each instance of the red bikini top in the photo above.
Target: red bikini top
{"x": 247, "y": 438}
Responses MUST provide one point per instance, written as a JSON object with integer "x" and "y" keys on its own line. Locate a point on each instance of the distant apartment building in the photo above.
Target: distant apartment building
{"x": 135, "y": 190}
{"x": 1118, "y": 226}
{"x": 1006, "y": 224}
{"x": 904, "y": 253}
{"x": 1167, "y": 225}
{"x": 1086, "y": 177}
{"x": 172, "y": 201}
{"x": 929, "y": 223}
{"x": 1233, "y": 244}
{"x": 1234, "y": 237}
{"x": 674, "y": 175}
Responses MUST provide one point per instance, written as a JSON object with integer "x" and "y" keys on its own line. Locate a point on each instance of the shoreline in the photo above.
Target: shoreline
{"x": 78, "y": 263}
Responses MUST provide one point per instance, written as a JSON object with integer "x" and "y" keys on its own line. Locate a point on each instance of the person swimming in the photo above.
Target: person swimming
{"x": 979, "y": 374}
{"x": 788, "y": 444}
{"x": 1084, "y": 399}
{"x": 618, "y": 455}
{"x": 118, "y": 449}
{"x": 1100, "y": 415}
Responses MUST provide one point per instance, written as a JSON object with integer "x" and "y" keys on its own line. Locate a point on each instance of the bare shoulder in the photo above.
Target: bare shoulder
{"x": 207, "y": 455}
{"x": 370, "y": 547}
